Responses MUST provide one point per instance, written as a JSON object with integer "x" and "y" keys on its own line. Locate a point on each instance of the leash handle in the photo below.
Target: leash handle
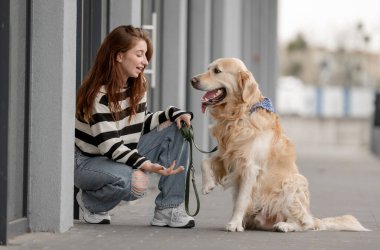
{"x": 187, "y": 191}
{"x": 188, "y": 135}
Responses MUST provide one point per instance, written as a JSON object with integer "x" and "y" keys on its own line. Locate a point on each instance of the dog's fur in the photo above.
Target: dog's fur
{"x": 255, "y": 157}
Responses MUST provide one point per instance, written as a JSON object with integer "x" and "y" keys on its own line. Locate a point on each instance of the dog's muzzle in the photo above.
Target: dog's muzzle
{"x": 195, "y": 83}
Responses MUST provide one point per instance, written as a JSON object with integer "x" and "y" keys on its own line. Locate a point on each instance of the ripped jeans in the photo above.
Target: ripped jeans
{"x": 105, "y": 182}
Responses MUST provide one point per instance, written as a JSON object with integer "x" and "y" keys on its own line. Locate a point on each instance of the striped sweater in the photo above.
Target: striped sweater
{"x": 118, "y": 139}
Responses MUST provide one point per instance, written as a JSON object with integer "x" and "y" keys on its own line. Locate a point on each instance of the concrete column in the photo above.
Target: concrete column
{"x": 227, "y": 30}
{"x": 124, "y": 12}
{"x": 52, "y": 107}
{"x": 259, "y": 45}
{"x": 199, "y": 57}
{"x": 172, "y": 64}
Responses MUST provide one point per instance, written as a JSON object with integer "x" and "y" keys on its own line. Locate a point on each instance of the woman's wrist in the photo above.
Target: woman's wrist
{"x": 146, "y": 166}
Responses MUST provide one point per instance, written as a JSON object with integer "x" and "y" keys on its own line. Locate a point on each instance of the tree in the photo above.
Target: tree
{"x": 299, "y": 43}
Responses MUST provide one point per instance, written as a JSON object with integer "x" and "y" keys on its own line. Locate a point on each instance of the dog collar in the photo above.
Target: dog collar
{"x": 265, "y": 104}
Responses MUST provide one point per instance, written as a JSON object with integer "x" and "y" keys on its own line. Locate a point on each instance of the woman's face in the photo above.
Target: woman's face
{"x": 133, "y": 61}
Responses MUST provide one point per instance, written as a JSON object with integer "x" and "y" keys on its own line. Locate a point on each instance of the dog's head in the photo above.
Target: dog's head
{"x": 228, "y": 84}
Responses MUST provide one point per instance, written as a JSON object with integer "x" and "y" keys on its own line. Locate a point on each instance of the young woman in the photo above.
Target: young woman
{"x": 118, "y": 141}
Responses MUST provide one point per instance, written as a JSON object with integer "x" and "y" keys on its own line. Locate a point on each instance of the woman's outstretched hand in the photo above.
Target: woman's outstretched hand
{"x": 159, "y": 169}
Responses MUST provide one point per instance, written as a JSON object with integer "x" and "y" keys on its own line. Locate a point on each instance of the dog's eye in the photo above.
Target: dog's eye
{"x": 217, "y": 71}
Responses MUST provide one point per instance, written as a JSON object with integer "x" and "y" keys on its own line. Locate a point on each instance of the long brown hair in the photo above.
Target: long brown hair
{"x": 105, "y": 72}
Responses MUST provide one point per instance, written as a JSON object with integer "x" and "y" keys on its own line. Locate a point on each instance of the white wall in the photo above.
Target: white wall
{"x": 295, "y": 98}
{"x": 362, "y": 102}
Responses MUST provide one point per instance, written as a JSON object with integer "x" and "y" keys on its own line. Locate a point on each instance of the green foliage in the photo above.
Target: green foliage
{"x": 299, "y": 43}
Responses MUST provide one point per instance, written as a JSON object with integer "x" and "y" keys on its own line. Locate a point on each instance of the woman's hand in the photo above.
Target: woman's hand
{"x": 157, "y": 168}
{"x": 186, "y": 118}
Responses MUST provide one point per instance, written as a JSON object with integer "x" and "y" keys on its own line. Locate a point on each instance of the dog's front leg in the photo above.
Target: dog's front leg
{"x": 242, "y": 197}
{"x": 208, "y": 179}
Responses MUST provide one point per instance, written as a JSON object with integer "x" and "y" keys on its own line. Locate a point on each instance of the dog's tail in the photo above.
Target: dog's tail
{"x": 340, "y": 223}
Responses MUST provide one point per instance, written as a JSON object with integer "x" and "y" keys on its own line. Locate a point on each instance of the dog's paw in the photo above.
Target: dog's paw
{"x": 234, "y": 227}
{"x": 208, "y": 187}
{"x": 283, "y": 227}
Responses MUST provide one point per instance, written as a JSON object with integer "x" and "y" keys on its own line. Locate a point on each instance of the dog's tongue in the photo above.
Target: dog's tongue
{"x": 209, "y": 95}
{"x": 203, "y": 108}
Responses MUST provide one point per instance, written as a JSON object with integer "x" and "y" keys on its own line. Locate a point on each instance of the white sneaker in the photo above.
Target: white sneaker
{"x": 89, "y": 217}
{"x": 172, "y": 217}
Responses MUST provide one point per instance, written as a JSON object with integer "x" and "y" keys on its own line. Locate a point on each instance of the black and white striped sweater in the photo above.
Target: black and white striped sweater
{"x": 118, "y": 139}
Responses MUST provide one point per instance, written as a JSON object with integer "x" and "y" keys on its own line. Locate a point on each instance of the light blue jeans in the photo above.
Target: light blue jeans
{"x": 105, "y": 182}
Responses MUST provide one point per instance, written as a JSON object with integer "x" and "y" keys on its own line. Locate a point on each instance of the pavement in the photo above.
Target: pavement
{"x": 341, "y": 182}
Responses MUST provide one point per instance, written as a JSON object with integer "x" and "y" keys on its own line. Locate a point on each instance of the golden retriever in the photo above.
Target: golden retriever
{"x": 255, "y": 157}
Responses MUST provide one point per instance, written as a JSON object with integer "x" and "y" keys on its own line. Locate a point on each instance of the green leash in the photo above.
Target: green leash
{"x": 188, "y": 134}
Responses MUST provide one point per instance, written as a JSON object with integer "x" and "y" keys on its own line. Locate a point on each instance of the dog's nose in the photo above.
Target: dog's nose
{"x": 194, "y": 80}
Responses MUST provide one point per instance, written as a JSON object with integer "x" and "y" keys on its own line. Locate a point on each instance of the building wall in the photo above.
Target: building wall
{"x": 17, "y": 110}
{"x": 124, "y": 12}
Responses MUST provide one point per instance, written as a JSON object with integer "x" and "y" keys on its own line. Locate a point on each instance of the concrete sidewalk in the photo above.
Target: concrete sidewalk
{"x": 340, "y": 183}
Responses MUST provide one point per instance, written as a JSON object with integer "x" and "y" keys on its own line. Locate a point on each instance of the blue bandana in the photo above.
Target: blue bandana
{"x": 265, "y": 104}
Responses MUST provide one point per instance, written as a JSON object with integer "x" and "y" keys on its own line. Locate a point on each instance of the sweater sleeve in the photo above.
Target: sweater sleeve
{"x": 152, "y": 120}
{"x": 109, "y": 142}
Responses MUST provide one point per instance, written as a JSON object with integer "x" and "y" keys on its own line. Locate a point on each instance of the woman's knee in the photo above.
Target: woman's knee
{"x": 139, "y": 183}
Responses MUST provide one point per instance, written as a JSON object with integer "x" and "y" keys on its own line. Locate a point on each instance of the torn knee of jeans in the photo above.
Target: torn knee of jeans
{"x": 139, "y": 183}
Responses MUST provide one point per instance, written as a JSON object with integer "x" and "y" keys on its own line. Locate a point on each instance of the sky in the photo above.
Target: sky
{"x": 329, "y": 23}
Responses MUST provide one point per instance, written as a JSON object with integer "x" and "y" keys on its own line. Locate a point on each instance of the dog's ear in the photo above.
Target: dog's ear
{"x": 246, "y": 85}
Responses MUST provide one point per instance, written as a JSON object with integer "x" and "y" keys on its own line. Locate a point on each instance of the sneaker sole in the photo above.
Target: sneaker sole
{"x": 190, "y": 224}
{"x": 104, "y": 221}
{"x": 81, "y": 214}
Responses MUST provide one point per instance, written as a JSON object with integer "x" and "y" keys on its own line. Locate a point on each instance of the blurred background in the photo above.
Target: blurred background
{"x": 329, "y": 73}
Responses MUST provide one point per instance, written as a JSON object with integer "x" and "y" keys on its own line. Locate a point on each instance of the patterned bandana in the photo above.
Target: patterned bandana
{"x": 265, "y": 104}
